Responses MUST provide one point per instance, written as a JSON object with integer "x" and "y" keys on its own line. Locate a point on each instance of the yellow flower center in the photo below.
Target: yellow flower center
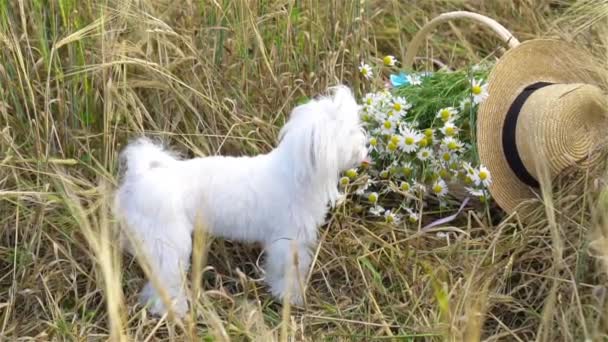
{"x": 387, "y": 60}
{"x": 447, "y": 157}
{"x": 351, "y": 173}
{"x": 423, "y": 142}
{"x": 366, "y": 117}
{"x": 369, "y": 102}
{"x": 344, "y": 180}
{"x": 425, "y": 154}
{"x": 373, "y": 141}
{"x": 409, "y": 140}
{"x": 387, "y": 124}
{"x": 452, "y": 145}
{"x": 405, "y": 186}
{"x": 428, "y": 132}
{"x": 364, "y": 71}
{"x": 395, "y": 139}
{"x": 390, "y": 219}
{"x": 443, "y": 173}
{"x": 373, "y": 198}
{"x": 449, "y": 131}
{"x": 413, "y": 219}
{"x": 445, "y": 115}
{"x": 406, "y": 170}
{"x": 397, "y": 106}
{"x": 476, "y": 90}
{"x": 392, "y": 146}
{"x": 468, "y": 180}
{"x": 483, "y": 175}
{"x": 437, "y": 188}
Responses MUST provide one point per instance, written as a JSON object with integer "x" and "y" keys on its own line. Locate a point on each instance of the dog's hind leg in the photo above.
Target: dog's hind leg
{"x": 287, "y": 266}
{"x": 168, "y": 256}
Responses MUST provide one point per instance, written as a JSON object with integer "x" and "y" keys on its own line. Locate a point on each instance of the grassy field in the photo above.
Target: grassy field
{"x": 79, "y": 78}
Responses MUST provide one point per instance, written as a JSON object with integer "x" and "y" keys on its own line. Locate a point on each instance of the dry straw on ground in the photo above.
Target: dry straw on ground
{"x": 78, "y": 78}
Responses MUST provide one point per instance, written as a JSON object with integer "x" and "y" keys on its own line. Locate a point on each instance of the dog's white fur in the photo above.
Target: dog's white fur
{"x": 278, "y": 199}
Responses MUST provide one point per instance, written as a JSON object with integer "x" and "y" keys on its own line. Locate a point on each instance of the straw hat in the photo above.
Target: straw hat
{"x": 543, "y": 115}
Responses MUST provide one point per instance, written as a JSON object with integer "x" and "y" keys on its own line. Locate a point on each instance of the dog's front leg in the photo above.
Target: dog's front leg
{"x": 169, "y": 260}
{"x": 287, "y": 266}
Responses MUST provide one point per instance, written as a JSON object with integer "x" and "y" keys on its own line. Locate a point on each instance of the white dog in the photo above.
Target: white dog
{"x": 278, "y": 199}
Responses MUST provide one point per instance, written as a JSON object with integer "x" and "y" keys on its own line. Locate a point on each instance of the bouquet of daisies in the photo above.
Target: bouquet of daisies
{"x": 421, "y": 140}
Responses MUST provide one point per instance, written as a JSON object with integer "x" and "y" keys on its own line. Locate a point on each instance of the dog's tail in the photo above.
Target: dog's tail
{"x": 142, "y": 155}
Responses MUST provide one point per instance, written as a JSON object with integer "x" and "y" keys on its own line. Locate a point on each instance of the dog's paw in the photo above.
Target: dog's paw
{"x": 280, "y": 291}
{"x": 150, "y": 298}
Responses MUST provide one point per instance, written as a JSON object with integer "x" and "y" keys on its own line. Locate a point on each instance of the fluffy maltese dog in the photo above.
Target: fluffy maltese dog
{"x": 278, "y": 199}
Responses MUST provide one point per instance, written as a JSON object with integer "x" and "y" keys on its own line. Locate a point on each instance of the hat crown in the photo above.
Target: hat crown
{"x": 560, "y": 125}
{"x": 542, "y": 110}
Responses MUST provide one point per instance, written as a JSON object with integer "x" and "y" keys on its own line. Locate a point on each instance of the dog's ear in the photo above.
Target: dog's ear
{"x": 308, "y": 136}
{"x": 321, "y": 146}
{"x": 345, "y": 104}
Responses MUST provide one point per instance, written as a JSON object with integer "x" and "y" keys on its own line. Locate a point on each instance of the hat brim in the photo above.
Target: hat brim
{"x": 541, "y": 60}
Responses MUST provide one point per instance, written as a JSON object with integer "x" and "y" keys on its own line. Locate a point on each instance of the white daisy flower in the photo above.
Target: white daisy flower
{"x": 400, "y": 105}
{"x": 373, "y": 197}
{"x": 440, "y": 188}
{"x": 383, "y": 97}
{"x": 409, "y": 140}
{"x": 475, "y": 192}
{"x": 464, "y": 104}
{"x": 388, "y": 127}
{"x": 479, "y": 91}
{"x": 450, "y": 144}
{"x": 374, "y": 145}
{"x": 376, "y": 210}
{"x": 414, "y": 80}
{"x": 394, "y": 116}
{"x": 447, "y": 157}
{"x": 366, "y": 70}
{"x": 447, "y": 114}
{"x": 361, "y": 190}
{"x": 425, "y": 154}
{"x": 369, "y": 100}
{"x": 379, "y": 115}
{"x": 468, "y": 168}
{"x": 389, "y": 60}
{"x": 366, "y": 117}
{"x": 405, "y": 187}
{"x": 449, "y": 129}
{"x": 482, "y": 176}
{"x": 391, "y": 217}
{"x": 412, "y": 216}
{"x": 479, "y": 193}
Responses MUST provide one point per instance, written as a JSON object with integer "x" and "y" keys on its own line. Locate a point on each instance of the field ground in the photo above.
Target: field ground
{"x": 79, "y": 78}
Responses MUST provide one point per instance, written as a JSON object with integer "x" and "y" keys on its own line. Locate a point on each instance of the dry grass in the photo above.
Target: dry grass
{"x": 79, "y": 78}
